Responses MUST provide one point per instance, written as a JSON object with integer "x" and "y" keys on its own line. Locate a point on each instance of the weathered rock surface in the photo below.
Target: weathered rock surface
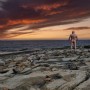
{"x": 80, "y": 77}
{"x": 53, "y": 69}
{"x": 84, "y": 86}
{"x": 54, "y": 85}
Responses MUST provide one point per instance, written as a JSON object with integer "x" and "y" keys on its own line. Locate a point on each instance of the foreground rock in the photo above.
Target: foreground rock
{"x": 54, "y": 85}
{"x": 51, "y": 69}
{"x": 84, "y": 86}
{"x": 80, "y": 77}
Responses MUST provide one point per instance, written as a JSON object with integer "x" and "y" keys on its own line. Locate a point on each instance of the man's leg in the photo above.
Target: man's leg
{"x": 75, "y": 46}
{"x": 71, "y": 45}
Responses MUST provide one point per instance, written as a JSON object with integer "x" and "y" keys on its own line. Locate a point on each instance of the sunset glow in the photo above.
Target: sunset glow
{"x": 44, "y": 19}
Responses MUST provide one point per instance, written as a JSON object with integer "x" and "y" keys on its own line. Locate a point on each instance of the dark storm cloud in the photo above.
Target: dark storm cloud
{"x": 40, "y": 13}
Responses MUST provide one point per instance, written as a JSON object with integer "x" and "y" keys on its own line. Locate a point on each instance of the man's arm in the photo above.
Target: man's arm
{"x": 70, "y": 37}
{"x": 76, "y": 37}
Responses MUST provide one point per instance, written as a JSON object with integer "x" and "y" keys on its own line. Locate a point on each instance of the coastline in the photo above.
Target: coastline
{"x": 45, "y": 69}
{"x": 16, "y": 45}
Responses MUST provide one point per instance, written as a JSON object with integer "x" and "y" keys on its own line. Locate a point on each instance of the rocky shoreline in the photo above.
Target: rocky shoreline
{"x": 47, "y": 69}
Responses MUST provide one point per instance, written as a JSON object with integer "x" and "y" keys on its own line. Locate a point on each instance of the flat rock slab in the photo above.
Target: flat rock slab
{"x": 18, "y": 80}
{"x": 80, "y": 77}
{"x": 54, "y": 85}
{"x": 84, "y": 86}
{"x": 86, "y": 59}
{"x": 68, "y": 59}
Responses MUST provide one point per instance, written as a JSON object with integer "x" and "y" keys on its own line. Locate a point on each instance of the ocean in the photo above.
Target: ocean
{"x": 14, "y": 45}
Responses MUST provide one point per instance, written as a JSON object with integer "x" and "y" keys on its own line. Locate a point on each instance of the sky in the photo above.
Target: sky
{"x": 44, "y": 19}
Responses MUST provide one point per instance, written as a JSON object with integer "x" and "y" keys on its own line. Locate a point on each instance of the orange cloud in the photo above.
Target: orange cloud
{"x": 25, "y": 21}
{"x": 1, "y": 26}
{"x": 45, "y": 7}
{"x": 50, "y": 7}
{"x": 78, "y": 13}
{"x": 54, "y": 12}
{"x": 4, "y": 29}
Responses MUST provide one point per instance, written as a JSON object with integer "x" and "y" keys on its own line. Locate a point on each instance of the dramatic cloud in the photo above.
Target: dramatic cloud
{"x": 40, "y": 13}
{"x": 78, "y": 28}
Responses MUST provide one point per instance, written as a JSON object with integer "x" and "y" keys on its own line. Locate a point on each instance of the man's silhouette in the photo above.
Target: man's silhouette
{"x": 73, "y": 40}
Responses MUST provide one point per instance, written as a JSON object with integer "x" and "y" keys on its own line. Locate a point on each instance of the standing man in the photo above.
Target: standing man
{"x": 73, "y": 40}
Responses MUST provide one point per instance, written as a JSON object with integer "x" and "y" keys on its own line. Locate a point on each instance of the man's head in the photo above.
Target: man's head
{"x": 73, "y": 32}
